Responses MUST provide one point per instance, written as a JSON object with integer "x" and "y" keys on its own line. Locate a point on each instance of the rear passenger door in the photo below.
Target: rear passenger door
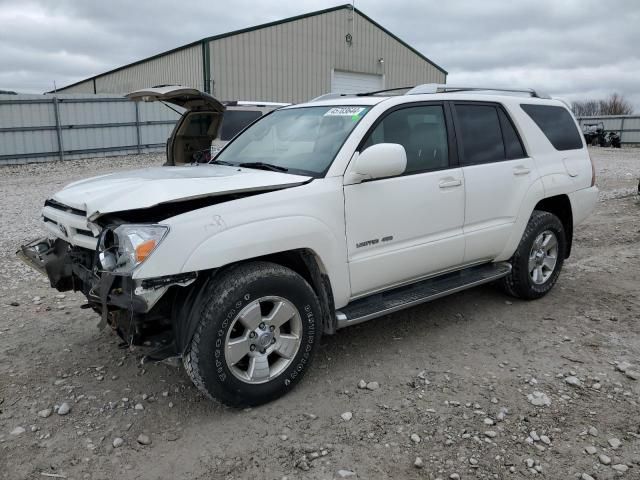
{"x": 497, "y": 172}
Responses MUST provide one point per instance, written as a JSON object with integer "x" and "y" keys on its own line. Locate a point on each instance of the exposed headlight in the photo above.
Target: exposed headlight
{"x": 124, "y": 248}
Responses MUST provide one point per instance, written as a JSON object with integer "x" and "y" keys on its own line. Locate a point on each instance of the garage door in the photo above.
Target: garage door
{"x": 353, "y": 82}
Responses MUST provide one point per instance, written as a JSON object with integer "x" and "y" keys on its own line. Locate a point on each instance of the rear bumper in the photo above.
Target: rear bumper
{"x": 583, "y": 202}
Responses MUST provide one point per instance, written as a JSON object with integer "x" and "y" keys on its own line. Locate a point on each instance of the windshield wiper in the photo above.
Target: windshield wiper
{"x": 219, "y": 162}
{"x": 264, "y": 166}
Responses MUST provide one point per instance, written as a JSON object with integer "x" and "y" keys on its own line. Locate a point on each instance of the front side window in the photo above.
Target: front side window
{"x": 479, "y": 129}
{"x": 302, "y": 140}
{"x": 421, "y": 131}
{"x": 557, "y": 124}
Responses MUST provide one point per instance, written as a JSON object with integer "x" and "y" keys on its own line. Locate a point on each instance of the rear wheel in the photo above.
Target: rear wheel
{"x": 257, "y": 329}
{"x": 538, "y": 260}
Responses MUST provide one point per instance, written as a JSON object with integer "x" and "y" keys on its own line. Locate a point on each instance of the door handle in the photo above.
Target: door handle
{"x": 450, "y": 183}
{"x": 521, "y": 170}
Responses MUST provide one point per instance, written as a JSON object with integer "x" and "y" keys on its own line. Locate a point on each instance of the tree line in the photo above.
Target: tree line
{"x": 615, "y": 104}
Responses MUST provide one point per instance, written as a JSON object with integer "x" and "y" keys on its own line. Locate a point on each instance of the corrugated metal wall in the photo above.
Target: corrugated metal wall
{"x": 627, "y": 126}
{"x": 182, "y": 67}
{"x": 82, "y": 87}
{"x": 42, "y": 128}
{"x": 293, "y": 62}
{"x": 286, "y": 62}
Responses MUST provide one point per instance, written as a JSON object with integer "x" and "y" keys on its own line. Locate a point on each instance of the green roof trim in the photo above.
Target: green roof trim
{"x": 259, "y": 27}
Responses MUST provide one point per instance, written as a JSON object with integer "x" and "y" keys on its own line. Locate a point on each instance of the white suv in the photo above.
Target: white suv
{"x": 320, "y": 216}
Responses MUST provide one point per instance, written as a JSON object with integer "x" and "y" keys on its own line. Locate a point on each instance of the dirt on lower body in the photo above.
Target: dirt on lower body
{"x": 475, "y": 385}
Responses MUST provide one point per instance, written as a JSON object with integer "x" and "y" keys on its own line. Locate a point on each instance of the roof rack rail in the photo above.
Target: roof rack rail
{"x": 440, "y": 88}
{"x": 375, "y": 92}
{"x": 329, "y": 96}
{"x": 427, "y": 88}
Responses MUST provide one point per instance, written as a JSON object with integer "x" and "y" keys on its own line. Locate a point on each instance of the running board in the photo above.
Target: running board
{"x": 384, "y": 303}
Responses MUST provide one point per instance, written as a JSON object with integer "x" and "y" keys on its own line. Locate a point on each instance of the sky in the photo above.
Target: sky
{"x": 573, "y": 49}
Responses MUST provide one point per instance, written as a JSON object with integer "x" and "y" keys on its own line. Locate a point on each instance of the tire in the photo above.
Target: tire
{"x": 260, "y": 295}
{"x": 522, "y": 282}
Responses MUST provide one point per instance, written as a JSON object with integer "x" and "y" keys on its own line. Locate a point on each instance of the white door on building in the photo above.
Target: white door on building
{"x": 354, "y": 82}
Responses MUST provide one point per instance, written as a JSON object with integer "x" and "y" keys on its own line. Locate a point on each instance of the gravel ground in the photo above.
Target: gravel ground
{"x": 473, "y": 385}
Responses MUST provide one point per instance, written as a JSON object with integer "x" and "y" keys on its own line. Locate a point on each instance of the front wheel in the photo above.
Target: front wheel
{"x": 258, "y": 326}
{"x": 538, "y": 260}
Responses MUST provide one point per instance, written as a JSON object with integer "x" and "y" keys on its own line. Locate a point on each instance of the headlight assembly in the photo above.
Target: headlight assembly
{"x": 123, "y": 248}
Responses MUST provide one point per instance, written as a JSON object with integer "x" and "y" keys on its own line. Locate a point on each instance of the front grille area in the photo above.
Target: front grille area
{"x": 88, "y": 233}
{"x": 65, "y": 208}
{"x": 68, "y": 223}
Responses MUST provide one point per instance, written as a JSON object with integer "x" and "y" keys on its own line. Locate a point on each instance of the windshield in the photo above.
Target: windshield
{"x": 301, "y": 140}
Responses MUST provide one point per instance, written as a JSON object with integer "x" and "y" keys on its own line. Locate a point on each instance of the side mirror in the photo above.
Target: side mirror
{"x": 379, "y": 161}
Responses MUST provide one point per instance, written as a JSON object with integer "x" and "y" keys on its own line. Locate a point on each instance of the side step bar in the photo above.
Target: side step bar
{"x": 384, "y": 303}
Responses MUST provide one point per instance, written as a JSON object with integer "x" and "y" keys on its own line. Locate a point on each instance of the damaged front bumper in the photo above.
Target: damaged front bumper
{"x": 76, "y": 268}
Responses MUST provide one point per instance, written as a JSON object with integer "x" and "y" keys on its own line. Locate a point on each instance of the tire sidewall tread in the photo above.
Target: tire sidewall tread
{"x": 225, "y": 296}
{"x": 518, "y": 283}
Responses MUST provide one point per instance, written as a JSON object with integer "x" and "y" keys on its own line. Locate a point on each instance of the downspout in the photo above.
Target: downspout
{"x": 206, "y": 67}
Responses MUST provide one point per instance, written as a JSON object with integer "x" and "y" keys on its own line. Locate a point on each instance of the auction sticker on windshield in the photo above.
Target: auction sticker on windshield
{"x": 344, "y": 111}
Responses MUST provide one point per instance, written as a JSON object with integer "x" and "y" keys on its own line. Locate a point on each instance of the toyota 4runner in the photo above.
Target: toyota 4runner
{"x": 316, "y": 217}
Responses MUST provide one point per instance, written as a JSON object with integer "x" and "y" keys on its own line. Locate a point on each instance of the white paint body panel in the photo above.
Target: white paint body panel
{"x": 423, "y": 220}
{"x": 309, "y": 216}
{"x": 366, "y": 236}
{"x": 147, "y": 187}
{"x": 582, "y": 203}
{"x": 494, "y": 193}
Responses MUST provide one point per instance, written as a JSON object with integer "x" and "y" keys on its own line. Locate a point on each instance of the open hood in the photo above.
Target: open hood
{"x": 144, "y": 188}
{"x": 185, "y": 97}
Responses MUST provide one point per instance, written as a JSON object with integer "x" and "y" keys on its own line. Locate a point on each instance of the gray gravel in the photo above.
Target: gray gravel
{"x": 440, "y": 373}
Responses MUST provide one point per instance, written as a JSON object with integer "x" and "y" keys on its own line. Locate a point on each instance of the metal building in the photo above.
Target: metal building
{"x": 339, "y": 49}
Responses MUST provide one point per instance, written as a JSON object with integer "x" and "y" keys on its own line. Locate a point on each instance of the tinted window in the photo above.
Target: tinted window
{"x": 512, "y": 146}
{"x": 480, "y": 132}
{"x": 557, "y": 125}
{"x": 421, "y": 131}
{"x": 234, "y": 121}
{"x": 199, "y": 124}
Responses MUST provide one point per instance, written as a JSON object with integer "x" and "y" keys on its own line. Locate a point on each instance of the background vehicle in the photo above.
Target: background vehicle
{"x": 317, "y": 217}
{"x": 237, "y": 116}
{"x": 613, "y": 140}
{"x": 203, "y": 114}
{"x": 594, "y": 133}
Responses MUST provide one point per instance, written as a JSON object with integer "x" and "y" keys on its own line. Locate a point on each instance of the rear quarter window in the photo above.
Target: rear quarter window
{"x": 557, "y": 125}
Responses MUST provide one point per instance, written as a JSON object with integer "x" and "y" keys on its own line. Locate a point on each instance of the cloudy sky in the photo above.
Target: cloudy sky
{"x": 570, "y": 48}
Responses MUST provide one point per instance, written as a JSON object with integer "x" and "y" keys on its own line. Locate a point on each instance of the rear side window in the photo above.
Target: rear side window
{"x": 512, "y": 147}
{"x": 557, "y": 125}
{"x": 481, "y": 134}
{"x": 234, "y": 121}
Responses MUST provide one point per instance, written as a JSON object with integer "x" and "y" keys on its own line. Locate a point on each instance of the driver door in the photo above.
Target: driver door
{"x": 402, "y": 228}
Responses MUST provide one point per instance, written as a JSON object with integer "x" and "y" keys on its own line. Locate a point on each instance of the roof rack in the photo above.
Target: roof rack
{"x": 376, "y": 92}
{"x": 329, "y": 96}
{"x": 435, "y": 88}
{"x": 440, "y": 88}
